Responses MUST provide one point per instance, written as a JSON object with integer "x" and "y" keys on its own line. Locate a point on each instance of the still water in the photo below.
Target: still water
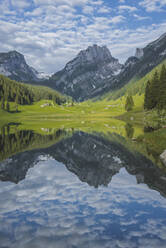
{"x": 70, "y": 188}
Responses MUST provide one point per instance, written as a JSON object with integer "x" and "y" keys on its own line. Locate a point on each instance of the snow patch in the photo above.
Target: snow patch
{"x": 117, "y": 160}
{"x": 115, "y": 73}
{"x": 4, "y": 72}
{"x": 163, "y": 53}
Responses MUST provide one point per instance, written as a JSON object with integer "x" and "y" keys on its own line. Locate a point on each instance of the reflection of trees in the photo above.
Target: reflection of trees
{"x": 12, "y": 142}
{"x": 92, "y": 158}
{"x": 129, "y": 130}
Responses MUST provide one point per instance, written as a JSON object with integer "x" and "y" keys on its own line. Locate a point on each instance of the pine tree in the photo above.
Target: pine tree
{"x": 162, "y": 89}
{"x": 147, "y": 98}
{"x": 154, "y": 90}
{"x": 7, "y": 107}
{"x": 129, "y": 130}
{"x": 3, "y": 104}
{"x": 129, "y": 103}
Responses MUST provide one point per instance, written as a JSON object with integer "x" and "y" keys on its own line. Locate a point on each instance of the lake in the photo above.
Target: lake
{"x": 82, "y": 186}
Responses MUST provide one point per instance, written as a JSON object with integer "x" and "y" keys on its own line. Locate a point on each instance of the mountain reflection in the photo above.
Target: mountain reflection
{"x": 93, "y": 158}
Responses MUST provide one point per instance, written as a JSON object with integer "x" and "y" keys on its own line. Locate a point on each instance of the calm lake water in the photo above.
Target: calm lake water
{"x": 69, "y": 188}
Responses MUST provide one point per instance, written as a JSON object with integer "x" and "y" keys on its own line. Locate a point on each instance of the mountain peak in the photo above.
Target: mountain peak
{"x": 15, "y": 52}
{"x": 95, "y": 54}
{"x": 88, "y": 73}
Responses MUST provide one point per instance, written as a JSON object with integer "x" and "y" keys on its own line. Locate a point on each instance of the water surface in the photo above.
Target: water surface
{"x": 71, "y": 188}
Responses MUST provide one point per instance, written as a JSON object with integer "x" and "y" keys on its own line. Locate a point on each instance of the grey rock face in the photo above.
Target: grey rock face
{"x": 13, "y": 65}
{"x": 88, "y": 74}
{"x": 139, "y": 53}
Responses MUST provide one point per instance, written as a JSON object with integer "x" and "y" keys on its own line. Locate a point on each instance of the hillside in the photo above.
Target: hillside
{"x": 20, "y": 93}
{"x": 134, "y": 87}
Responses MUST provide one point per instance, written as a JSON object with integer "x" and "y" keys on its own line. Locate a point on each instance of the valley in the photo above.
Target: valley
{"x": 95, "y": 85}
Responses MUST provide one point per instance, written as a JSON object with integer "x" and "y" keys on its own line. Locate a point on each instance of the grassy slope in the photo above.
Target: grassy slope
{"x": 135, "y": 86}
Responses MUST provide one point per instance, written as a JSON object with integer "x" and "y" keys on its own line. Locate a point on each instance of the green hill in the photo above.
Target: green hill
{"x": 25, "y": 94}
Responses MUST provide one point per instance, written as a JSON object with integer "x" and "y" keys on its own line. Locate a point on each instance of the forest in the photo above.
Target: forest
{"x": 155, "y": 91}
{"x": 12, "y": 91}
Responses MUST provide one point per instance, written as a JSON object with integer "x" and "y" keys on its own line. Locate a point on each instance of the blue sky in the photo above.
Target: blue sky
{"x": 51, "y": 32}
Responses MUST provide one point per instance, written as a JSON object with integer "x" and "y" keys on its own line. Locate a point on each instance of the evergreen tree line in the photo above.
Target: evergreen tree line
{"x": 155, "y": 91}
{"x": 12, "y": 91}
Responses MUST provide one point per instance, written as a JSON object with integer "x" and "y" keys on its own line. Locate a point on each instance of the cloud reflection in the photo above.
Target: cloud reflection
{"x": 52, "y": 208}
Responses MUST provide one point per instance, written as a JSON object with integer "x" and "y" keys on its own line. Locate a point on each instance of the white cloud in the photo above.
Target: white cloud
{"x": 20, "y": 4}
{"x": 153, "y": 5}
{"x": 138, "y": 17}
{"x": 128, "y": 8}
{"x": 104, "y": 10}
{"x": 99, "y": 2}
{"x": 88, "y": 10}
{"x": 61, "y": 2}
{"x": 118, "y": 19}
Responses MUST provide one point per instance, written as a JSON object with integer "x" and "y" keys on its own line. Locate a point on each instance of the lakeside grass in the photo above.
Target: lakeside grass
{"x": 81, "y": 114}
{"x": 84, "y": 110}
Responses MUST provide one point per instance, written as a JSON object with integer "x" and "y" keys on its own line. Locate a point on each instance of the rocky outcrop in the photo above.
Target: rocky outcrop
{"x": 13, "y": 65}
{"x": 163, "y": 157}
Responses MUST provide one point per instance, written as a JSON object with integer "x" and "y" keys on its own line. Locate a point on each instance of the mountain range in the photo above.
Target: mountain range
{"x": 91, "y": 73}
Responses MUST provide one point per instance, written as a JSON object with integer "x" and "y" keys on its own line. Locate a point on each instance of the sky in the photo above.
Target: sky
{"x": 49, "y": 33}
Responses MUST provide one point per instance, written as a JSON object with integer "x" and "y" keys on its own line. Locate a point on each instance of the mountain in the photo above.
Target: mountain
{"x": 94, "y": 71}
{"x": 143, "y": 62}
{"x": 14, "y": 66}
{"x": 87, "y": 75}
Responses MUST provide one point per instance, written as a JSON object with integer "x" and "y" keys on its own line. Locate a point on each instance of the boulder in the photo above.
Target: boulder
{"x": 163, "y": 157}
